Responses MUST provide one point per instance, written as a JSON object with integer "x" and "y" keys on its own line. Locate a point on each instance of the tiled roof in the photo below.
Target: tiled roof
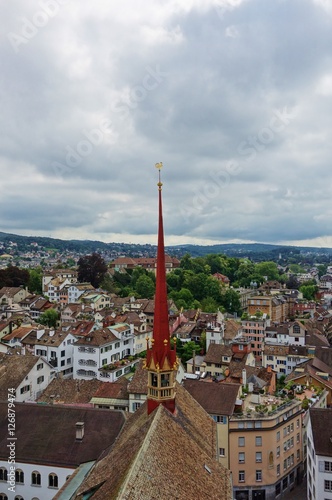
{"x": 139, "y": 382}
{"x": 70, "y": 391}
{"x": 18, "y": 333}
{"x": 10, "y": 291}
{"x": 162, "y": 456}
{"x": 51, "y": 338}
{"x": 13, "y": 369}
{"x": 321, "y": 423}
{"x": 276, "y": 350}
{"x": 216, "y": 352}
{"x": 232, "y": 328}
{"x": 47, "y": 434}
{"x": 114, "y": 390}
{"x": 215, "y": 398}
{"x": 97, "y": 338}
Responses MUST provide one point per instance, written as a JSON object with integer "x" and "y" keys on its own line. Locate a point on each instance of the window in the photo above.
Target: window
{"x": 3, "y": 474}
{"x": 35, "y": 478}
{"x": 241, "y": 458}
{"x": 68, "y": 361}
{"x": 278, "y": 436}
{"x": 327, "y": 485}
{"x": 327, "y": 466}
{"x": 298, "y": 437}
{"x": 278, "y": 488}
{"x": 258, "y": 456}
{"x": 278, "y": 470}
{"x": 258, "y": 440}
{"x": 18, "y": 497}
{"x": 63, "y": 362}
{"x": 220, "y": 419}
{"x": 40, "y": 379}
{"x": 278, "y": 451}
{"x": 19, "y": 476}
{"x": 285, "y": 483}
{"x": 241, "y": 425}
{"x": 258, "y": 475}
{"x": 136, "y": 406}
{"x": 52, "y": 480}
{"x": 242, "y": 476}
{"x": 221, "y": 452}
{"x": 258, "y": 424}
{"x": 3, "y": 496}
{"x": 241, "y": 441}
{"x": 25, "y": 389}
{"x": 40, "y": 366}
{"x": 63, "y": 353}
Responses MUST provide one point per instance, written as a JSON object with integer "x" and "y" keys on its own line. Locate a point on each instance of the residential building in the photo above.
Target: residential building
{"x": 52, "y": 443}
{"x": 274, "y": 307}
{"x": 266, "y": 448}
{"x": 56, "y": 346}
{"x": 319, "y": 454}
{"x": 26, "y": 376}
{"x": 219, "y": 401}
{"x": 254, "y": 330}
{"x": 76, "y": 290}
{"x": 105, "y": 347}
{"x": 283, "y": 359}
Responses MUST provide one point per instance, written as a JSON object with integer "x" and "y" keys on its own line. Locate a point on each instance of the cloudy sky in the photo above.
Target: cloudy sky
{"x": 233, "y": 96}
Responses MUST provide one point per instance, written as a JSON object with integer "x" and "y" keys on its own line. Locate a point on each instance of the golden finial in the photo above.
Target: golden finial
{"x": 159, "y": 166}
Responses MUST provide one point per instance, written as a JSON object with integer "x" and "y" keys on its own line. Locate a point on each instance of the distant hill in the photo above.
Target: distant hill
{"x": 256, "y": 251}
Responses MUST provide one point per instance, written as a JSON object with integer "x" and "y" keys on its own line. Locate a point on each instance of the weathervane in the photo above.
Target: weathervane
{"x": 159, "y": 166}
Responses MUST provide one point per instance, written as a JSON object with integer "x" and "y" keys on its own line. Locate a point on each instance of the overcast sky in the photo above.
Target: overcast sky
{"x": 233, "y": 96}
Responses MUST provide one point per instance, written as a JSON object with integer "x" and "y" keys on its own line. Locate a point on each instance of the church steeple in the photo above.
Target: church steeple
{"x": 161, "y": 360}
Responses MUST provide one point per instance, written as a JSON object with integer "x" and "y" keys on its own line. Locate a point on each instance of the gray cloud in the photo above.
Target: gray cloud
{"x": 235, "y": 101}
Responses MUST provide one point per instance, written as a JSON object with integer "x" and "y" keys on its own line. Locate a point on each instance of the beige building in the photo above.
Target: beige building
{"x": 265, "y": 445}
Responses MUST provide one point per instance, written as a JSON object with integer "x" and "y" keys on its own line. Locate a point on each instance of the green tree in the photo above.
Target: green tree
{"x": 209, "y": 305}
{"x": 231, "y": 301}
{"x": 187, "y": 350}
{"x": 196, "y": 283}
{"x": 35, "y": 280}
{"x": 268, "y": 269}
{"x": 309, "y": 291}
{"x": 145, "y": 287}
{"x": 49, "y": 318}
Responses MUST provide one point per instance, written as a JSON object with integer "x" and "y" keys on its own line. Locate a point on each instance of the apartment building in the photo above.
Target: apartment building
{"x": 254, "y": 331}
{"x": 276, "y": 308}
{"x": 319, "y": 454}
{"x": 266, "y": 449}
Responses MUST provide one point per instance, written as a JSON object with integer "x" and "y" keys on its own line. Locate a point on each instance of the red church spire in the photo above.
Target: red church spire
{"x": 161, "y": 360}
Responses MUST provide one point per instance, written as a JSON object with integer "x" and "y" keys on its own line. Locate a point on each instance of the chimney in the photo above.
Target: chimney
{"x": 244, "y": 377}
{"x": 79, "y": 431}
{"x": 40, "y": 333}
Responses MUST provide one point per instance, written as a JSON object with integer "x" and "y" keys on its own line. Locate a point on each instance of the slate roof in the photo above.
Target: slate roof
{"x": 215, "y": 398}
{"x": 47, "y": 433}
{"x": 321, "y": 423}
{"x": 162, "y": 456}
